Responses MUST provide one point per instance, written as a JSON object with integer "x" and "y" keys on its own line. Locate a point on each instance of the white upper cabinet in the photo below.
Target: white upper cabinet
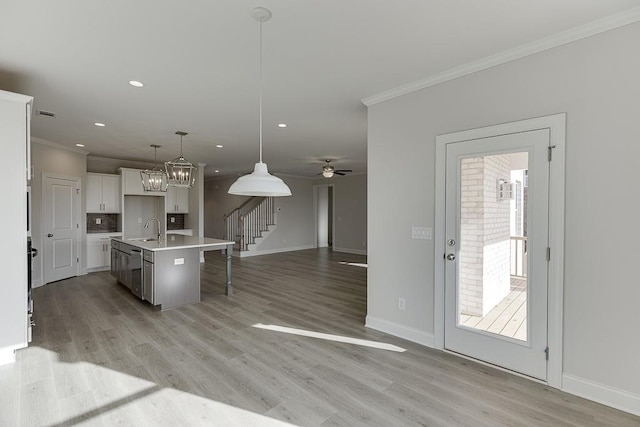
{"x": 103, "y": 193}
{"x": 177, "y": 200}
{"x": 132, "y": 182}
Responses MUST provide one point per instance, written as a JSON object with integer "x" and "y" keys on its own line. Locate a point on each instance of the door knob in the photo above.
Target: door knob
{"x": 451, "y": 257}
{"x": 49, "y": 235}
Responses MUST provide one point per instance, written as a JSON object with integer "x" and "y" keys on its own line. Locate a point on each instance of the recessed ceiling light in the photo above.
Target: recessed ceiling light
{"x": 99, "y": 124}
{"x": 79, "y": 145}
{"x": 216, "y": 171}
{"x": 282, "y": 125}
{"x": 136, "y": 83}
{"x": 219, "y": 146}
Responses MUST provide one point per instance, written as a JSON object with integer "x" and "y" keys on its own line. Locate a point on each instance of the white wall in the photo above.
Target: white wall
{"x": 596, "y": 82}
{"x": 47, "y": 157}
{"x": 13, "y": 250}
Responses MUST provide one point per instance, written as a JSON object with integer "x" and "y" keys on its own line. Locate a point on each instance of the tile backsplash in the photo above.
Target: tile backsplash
{"x": 178, "y": 223}
{"x": 108, "y": 223}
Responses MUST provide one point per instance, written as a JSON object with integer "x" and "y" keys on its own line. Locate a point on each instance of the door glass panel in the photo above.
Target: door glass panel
{"x": 492, "y": 277}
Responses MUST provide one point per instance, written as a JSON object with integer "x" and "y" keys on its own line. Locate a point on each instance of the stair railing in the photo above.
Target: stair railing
{"x": 246, "y": 223}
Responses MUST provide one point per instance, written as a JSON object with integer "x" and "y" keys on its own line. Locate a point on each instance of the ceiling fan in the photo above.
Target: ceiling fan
{"x": 328, "y": 170}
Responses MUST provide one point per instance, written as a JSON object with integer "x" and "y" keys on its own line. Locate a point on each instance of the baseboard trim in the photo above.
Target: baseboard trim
{"x": 350, "y": 251}
{"x": 245, "y": 254}
{"x": 401, "y": 331}
{"x": 610, "y": 396}
{"x": 37, "y": 283}
{"x": 7, "y": 356}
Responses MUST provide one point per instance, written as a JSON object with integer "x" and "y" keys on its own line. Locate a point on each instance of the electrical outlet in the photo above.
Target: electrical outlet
{"x": 401, "y": 304}
{"x": 98, "y": 221}
{"x": 139, "y": 220}
{"x": 173, "y": 219}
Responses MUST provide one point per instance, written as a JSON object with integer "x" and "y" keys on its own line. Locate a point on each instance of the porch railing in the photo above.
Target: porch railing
{"x": 518, "y": 256}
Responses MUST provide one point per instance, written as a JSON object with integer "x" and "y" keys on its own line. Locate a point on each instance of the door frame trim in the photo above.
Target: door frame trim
{"x": 78, "y": 213}
{"x": 556, "y": 124}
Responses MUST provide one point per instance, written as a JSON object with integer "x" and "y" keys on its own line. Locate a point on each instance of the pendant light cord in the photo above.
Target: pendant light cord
{"x": 261, "y": 90}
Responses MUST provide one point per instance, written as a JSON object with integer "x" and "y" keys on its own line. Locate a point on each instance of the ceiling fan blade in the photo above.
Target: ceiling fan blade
{"x": 344, "y": 170}
{"x": 339, "y": 173}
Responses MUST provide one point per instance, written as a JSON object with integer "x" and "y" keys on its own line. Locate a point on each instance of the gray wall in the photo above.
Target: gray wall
{"x": 217, "y": 203}
{"x": 294, "y": 214}
{"x": 54, "y": 160}
{"x": 595, "y": 81}
{"x": 350, "y": 212}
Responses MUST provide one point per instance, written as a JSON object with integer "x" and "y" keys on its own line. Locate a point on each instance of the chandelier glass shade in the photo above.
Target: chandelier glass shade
{"x": 181, "y": 172}
{"x": 260, "y": 182}
{"x": 154, "y": 179}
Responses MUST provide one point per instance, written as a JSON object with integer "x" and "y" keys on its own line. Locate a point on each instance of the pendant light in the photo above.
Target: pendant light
{"x": 154, "y": 179}
{"x": 181, "y": 172}
{"x": 260, "y": 182}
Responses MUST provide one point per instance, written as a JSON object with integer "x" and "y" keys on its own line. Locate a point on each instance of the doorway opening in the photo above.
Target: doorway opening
{"x": 324, "y": 215}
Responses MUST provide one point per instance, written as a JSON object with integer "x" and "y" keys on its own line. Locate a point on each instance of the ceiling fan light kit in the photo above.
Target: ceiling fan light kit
{"x": 154, "y": 179}
{"x": 260, "y": 182}
{"x": 328, "y": 170}
{"x": 181, "y": 172}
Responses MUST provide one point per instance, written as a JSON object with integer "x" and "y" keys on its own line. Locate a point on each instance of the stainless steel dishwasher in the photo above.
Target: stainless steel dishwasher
{"x": 128, "y": 266}
{"x": 135, "y": 266}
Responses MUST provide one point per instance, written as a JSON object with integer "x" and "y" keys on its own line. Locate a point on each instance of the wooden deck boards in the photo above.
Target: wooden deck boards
{"x": 507, "y": 318}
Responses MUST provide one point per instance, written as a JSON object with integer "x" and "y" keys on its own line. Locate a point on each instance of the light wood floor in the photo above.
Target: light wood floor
{"x": 101, "y": 357}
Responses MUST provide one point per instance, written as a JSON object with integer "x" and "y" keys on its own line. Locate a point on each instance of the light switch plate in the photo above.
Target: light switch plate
{"x": 423, "y": 233}
{"x": 178, "y": 261}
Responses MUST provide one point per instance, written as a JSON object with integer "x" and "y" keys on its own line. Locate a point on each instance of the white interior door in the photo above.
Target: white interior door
{"x": 60, "y": 228}
{"x": 496, "y": 279}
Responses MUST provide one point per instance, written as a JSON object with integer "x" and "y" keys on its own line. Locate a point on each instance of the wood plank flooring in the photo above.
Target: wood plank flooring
{"x": 508, "y": 317}
{"x": 101, "y": 357}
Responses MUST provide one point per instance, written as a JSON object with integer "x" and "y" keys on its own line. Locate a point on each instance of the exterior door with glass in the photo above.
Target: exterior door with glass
{"x": 496, "y": 280}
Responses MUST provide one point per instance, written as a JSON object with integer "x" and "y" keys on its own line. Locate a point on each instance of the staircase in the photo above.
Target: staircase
{"x": 250, "y": 223}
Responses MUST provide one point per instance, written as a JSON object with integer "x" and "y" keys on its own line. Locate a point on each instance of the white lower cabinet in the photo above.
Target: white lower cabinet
{"x": 99, "y": 251}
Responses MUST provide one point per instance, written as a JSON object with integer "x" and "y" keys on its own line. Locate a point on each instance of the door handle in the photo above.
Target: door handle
{"x": 49, "y": 235}
{"x": 451, "y": 257}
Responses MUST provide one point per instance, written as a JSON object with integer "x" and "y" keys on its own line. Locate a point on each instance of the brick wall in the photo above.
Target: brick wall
{"x": 484, "y": 269}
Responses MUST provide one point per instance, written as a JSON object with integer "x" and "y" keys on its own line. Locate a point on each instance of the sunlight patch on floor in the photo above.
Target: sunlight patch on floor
{"x": 355, "y": 264}
{"x": 89, "y": 394}
{"x": 329, "y": 337}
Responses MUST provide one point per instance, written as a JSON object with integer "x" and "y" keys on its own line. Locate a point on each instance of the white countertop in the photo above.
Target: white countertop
{"x": 178, "y": 241}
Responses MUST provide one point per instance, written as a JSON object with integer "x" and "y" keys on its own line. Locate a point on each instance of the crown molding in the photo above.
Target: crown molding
{"x": 587, "y": 30}
{"x": 58, "y": 146}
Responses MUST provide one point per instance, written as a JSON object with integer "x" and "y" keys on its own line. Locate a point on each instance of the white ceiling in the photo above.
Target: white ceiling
{"x": 199, "y": 62}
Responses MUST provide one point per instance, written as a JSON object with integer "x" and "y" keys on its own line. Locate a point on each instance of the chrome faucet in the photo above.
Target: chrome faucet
{"x": 146, "y": 225}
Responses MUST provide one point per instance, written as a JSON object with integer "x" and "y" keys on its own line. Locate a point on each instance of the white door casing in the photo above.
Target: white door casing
{"x": 555, "y": 125}
{"x": 60, "y": 218}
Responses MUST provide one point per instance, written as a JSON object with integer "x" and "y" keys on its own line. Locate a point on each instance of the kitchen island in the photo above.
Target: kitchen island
{"x": 166, "y": 271}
